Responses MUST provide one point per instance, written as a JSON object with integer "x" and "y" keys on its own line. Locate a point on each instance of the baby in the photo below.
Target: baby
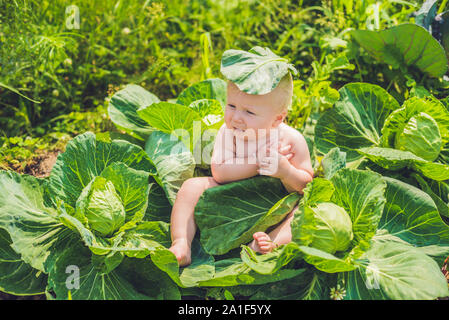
{"x": 253, "y": 141}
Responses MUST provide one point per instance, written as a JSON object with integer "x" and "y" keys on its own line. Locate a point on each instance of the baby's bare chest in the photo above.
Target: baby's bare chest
{"x": 245, "y": 149}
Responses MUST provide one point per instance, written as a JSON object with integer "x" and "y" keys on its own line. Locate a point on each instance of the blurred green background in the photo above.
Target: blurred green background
{"x": 60, "y": 61}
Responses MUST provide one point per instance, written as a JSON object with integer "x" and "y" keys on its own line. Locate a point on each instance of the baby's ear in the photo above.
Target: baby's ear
{"x": 280, "y": 118}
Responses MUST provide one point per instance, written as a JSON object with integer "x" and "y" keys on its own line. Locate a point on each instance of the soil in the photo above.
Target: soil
{"x": 41, "y": 165}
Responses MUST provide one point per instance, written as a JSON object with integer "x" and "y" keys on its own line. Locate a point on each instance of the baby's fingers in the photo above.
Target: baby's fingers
{"x": 265, "y": 172}
{"x": 267, "y": 160}
{"x": 289, "y": 156}
{"x": 284, "y": 150}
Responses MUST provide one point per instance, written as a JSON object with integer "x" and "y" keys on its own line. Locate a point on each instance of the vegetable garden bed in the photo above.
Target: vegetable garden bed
{"x": 373, "y": 223}
{"x": 397, "y": 246}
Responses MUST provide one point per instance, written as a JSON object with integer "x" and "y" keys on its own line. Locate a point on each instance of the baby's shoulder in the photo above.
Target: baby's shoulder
{"x": 299, "y": 148}
{"x": 292, "y": 136}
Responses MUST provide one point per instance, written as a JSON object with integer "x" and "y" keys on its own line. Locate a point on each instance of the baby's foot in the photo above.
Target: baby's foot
{"x": 181, "y": 250}
{"x": 262, "y": 243}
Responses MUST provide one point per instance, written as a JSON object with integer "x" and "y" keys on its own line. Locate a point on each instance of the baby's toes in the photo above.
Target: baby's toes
{"x": 258, "y": 236}
{"x": 265, "y": 247}
{"x": 262, "y": 242}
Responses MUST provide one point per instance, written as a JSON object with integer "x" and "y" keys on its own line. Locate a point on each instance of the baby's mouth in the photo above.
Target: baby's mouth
{"x": 237, "y": 129}
{"x": 247, "y": 134}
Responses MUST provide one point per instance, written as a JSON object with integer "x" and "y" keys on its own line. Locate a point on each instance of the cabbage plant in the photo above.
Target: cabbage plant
{"x": 405, "y": 46}
{"x": 98, "y": 209}
{"x": 409, "y": 142}
{"x": 397, "y": 243}
{"x": 326, "y": 226}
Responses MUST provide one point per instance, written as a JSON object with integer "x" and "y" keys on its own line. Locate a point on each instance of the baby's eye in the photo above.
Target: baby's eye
{"x": 252, "y": 113}
{"x": 231, "y": 106}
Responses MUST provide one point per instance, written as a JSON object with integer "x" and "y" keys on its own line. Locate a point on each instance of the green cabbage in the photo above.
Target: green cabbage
{"x": 331, "y": 227}
{"x": 420, "y": 136}
{"x": 102, "y": 206}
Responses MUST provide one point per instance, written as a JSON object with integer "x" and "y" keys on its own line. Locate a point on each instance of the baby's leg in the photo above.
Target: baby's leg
{"x": 282, "y": 234}
{"x": 182, "y": 223}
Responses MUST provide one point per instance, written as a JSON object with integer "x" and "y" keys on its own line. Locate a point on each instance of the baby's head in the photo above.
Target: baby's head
{"x": 250, "y": 115}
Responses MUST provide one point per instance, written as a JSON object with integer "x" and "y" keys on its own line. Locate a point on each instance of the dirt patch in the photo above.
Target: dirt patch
{"x": 41, "y": 165}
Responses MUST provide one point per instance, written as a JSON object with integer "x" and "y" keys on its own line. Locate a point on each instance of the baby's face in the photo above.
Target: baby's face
{"x": 247, "y": 114}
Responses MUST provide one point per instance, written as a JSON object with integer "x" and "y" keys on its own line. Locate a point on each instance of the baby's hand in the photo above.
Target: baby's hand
{"x": 276, "y": 162}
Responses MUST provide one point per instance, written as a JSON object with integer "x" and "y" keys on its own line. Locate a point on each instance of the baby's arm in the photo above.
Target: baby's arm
{"x": 296, "y": 172}
{"x": 225, "y": 166}
{"x": 228, "y": 172}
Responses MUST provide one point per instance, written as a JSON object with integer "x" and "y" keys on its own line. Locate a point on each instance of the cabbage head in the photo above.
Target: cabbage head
{"x": 102, "y": 206}
{"x": 420, "y": 126}
{"x": 421, "y": 136}
{"x": 327, "y": 226}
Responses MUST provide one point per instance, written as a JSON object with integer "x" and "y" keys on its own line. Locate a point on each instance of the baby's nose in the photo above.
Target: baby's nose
{"x": 237, "y": 117}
